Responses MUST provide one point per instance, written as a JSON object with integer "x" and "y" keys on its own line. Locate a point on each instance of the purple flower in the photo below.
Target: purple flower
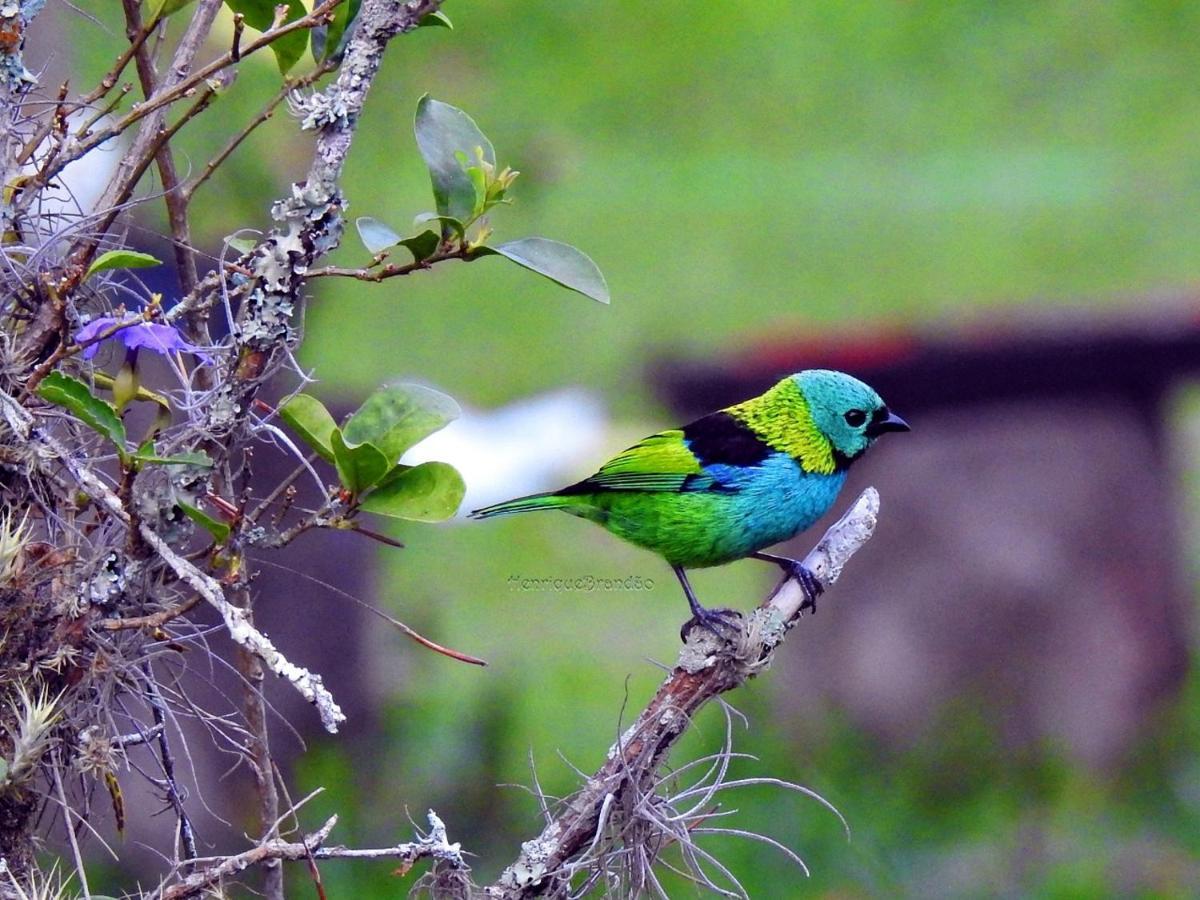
{"x": 157, "y": 338}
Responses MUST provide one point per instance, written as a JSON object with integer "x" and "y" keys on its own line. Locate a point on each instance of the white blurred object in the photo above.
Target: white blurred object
{"x": 70, "y": 199}
{"x": 536, "y": 444}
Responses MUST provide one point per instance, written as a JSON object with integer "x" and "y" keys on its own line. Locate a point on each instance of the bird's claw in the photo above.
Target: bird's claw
{"x": 720, "y": 622}
{"x": 808, "y": 582}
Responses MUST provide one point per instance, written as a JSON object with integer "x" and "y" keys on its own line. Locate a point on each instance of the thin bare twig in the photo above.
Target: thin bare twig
{"x": 153, "y": 620}
{"x": 68, "y": 812}
{"x": 291, "y": 84}
{"x": 171, "y": 787}
{"x": 179, "y": 88}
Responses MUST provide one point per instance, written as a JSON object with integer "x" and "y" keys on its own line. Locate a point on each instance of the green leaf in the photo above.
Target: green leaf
{"x": 158, "y": 9}
{"x": 562, "y": 263}
{"x": 241, "y": 244}
{"x": 3, "y": 769}
{"x": 260, "y": 14}
{"x": 436, "y": 19}
{"x": 73, "y": 395}
{"x": 218, "y": 529}
{"x": 309, "y": 418}
{"x": 448, "y": 223}
{"x": 375, "y": 235}
{"x": 443, "y": 131}
{"x": 423, "y": 245}
{"x": 430, "y": 492}
{"x": 329, "y": 41}
{"x": 121, "y": 259}
{"x": 360, "y": 466}
{"x": 396, "y": 417}
{"x": 192, "y": 458}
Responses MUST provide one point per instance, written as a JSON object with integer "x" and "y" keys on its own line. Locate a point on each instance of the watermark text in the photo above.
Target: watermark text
{"x": 582, "y": 584}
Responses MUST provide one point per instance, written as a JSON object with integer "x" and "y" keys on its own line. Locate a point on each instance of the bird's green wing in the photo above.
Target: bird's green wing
{"x": 661, "y": 462}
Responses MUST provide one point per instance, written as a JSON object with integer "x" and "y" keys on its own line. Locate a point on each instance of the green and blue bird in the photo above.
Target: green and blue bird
{"x": 733, "y": 482}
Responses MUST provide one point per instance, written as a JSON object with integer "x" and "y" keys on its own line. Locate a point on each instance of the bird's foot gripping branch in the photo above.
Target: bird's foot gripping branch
{"x": 612, "y": 830}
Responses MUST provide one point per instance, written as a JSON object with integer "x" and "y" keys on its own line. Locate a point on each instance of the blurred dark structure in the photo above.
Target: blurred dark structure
{"x": 1029, "y": 554}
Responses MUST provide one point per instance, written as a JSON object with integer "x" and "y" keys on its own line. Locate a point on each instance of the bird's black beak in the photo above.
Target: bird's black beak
{"x": 885, "y": 420}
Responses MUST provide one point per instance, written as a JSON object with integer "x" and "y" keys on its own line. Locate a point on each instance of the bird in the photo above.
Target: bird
{"x": 732, "y": 483}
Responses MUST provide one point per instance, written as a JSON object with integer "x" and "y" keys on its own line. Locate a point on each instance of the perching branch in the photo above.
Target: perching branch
{"x": 708, "y": 666}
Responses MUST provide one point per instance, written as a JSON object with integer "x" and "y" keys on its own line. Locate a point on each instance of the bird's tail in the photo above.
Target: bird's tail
{"x": 522, "y": 504}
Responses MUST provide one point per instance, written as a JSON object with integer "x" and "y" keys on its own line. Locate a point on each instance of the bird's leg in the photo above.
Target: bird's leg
{"x": 712, "y": 619}
{"x": 793, "y": 568}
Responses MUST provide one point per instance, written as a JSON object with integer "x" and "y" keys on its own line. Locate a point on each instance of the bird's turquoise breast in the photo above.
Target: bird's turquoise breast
{"x": 753, "y": 508}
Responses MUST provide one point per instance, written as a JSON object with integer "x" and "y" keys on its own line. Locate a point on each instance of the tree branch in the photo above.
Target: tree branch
{"x": 708, "y": 666}
{"x": 432, "y": 845}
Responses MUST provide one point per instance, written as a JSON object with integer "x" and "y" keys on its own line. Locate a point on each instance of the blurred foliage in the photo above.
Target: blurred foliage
{"x": 807, "y": 166}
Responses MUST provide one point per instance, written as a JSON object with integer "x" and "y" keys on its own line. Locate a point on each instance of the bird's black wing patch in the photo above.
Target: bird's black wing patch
{"x": 721, "y": 439}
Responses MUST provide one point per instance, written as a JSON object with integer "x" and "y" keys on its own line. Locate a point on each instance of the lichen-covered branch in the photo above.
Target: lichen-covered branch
{"x": 310, "y": 221}
{"x": 708, "y": 666}
{"x": 237, "y": 623}
{"x": 243, "y": 632}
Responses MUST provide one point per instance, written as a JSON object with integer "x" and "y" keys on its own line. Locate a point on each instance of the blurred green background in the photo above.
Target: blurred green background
{"x": 739, "y": 170}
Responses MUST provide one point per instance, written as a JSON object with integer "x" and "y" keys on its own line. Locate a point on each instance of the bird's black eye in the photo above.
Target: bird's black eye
{"x": 855, "y": 417}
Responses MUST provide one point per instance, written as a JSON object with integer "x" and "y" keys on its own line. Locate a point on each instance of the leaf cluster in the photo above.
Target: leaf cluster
{"x": 467, "y": 185}
{"x": 366, "y": 450}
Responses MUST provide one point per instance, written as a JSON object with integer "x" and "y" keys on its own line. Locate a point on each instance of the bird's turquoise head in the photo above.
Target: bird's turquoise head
{"x": 847, "y": 412}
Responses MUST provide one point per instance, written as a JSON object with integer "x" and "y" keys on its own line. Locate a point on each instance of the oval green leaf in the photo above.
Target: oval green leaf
{"x": 191, "y": 458}
{"x": 444, "y": 131}
{"x": 397, "y": 416}
{"x": 309, "y": 418}
{"x": 423, "y": 245}
{"x": 121, "y": 259}
{"x": 75, "y": 396}
{"x": 260, "y": 15}
{"x": 375, "y": 235}
{"x": 430, "y": 492}
{"x": 240, "y": 244}
{"x": 218, "y": 529}
{"x": 448, "y": 223}
{"x": 157, "y": 9}
{"x": 358, "y": 467}
{"x": 561, "y": 263}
